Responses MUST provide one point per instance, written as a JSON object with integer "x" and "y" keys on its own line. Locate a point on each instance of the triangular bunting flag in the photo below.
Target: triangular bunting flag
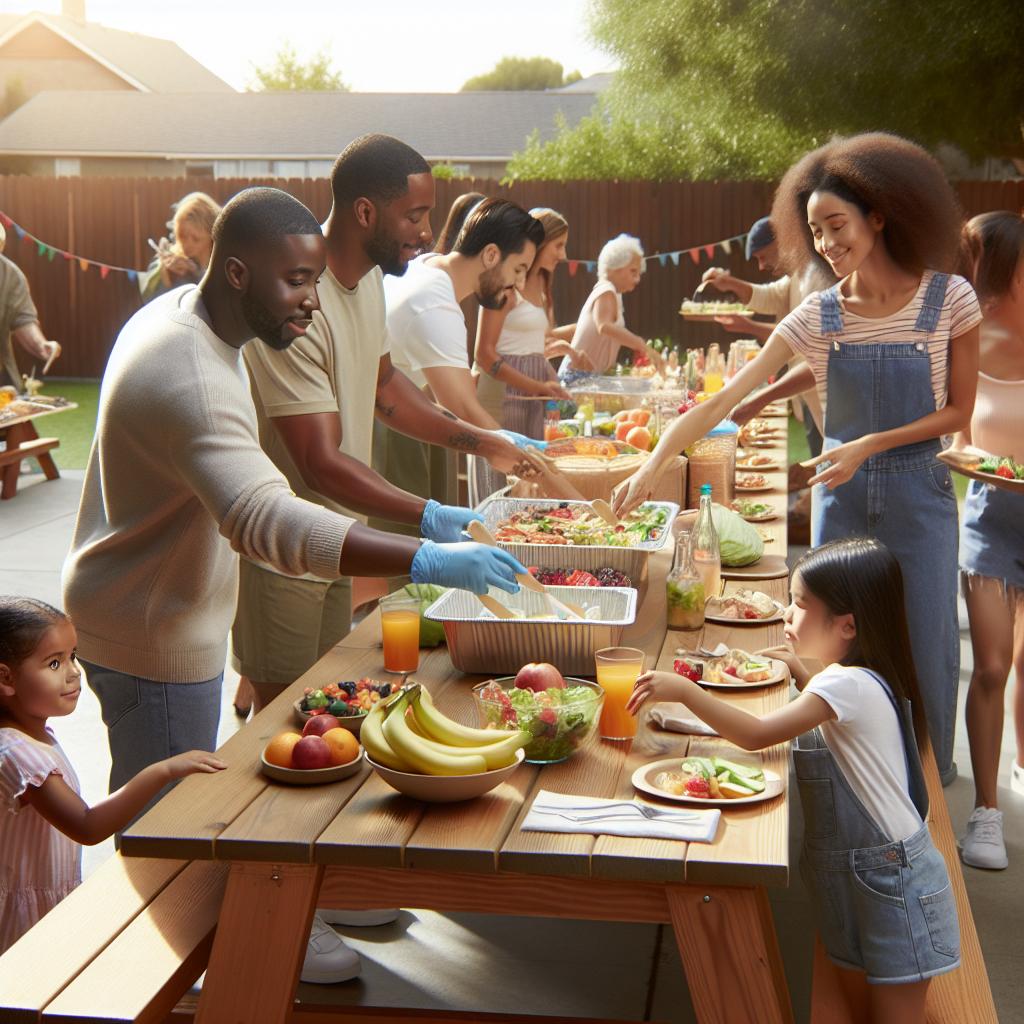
{"x": 726, "y": 246}
{"x": 40, "y": 248}
{"x": 709, "y": 251}
{"x": 574, "y": 265}
{"x": 591, "y": 266}
{"x": 694, "y": 255}
{"x": 19, "y": 231}
{"x": 132, "y": 276}
{"x": 83, "y": 264}
{"x": 6, "y": 220}
{"x": 674, "y": 257}
{"x": 66, "y": 255}
{"x": 104, "y": 270}
{"x": 50, "y": 253}
{"x": 663, "y": 259}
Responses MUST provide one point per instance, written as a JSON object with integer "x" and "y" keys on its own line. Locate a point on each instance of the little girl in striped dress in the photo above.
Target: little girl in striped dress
{"x": 43, "y": 819}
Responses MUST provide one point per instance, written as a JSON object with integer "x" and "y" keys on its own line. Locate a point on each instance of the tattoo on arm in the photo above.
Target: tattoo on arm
{"x": 382, "y": 382}
{"x": 464, "y": 441}
{"x": 496, "y": 366}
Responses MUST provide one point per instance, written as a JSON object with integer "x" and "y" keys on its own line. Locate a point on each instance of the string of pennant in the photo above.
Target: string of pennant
{"x": 50, "y": 252}
{"x": 695, "y": 253}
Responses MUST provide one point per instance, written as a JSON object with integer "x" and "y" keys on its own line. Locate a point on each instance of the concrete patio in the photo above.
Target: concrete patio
{"x": 520, "y": 965}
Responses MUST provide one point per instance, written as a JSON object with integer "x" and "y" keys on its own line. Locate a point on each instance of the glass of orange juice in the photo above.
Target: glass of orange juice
{"x": 400, "y": 629}
{"x": 617, "y": 671}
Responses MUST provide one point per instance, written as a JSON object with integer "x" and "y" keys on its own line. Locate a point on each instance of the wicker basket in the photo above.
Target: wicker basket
{"x": 479, "y": 644}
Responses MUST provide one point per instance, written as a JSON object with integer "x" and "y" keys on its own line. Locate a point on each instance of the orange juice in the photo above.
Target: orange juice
{"x": 713, "y": 382}
{"x": 400, "y": 628}
{"x": 617, "y": 672}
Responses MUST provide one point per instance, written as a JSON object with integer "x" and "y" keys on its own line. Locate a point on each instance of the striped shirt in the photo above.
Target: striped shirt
{"x": 801, "y": 330}
{"x": 39, "y": 865}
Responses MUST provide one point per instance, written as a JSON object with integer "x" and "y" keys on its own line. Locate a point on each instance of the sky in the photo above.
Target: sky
{"x": 377, "y": 45}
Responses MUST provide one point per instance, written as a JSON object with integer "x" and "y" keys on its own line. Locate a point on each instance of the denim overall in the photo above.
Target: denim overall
{"x": 903, "y": 497}
{"x": 883, "y": 907}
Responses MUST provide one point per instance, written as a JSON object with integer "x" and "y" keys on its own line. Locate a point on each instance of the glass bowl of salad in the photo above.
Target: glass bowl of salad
{"x": 560, "y": 720}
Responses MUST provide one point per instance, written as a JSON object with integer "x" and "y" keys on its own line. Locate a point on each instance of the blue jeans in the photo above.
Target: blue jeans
{"x": 149, "y": 721}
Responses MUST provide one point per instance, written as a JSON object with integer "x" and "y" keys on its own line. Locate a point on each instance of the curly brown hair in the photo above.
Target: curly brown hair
{"x": 992, "y": 249}
{"x": 881, "y": 173}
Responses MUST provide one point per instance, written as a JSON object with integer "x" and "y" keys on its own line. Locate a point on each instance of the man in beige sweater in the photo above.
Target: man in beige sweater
{"x": 177, "y": 484}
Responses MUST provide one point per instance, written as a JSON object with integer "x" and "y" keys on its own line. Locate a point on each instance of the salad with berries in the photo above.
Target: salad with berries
{"x": 559, "y": 719}
{"x": 345, "y": 699}
{"x": 605, "y": 577}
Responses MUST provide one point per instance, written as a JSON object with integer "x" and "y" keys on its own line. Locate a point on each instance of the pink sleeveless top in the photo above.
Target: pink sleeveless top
{"x": 997, "y": 425}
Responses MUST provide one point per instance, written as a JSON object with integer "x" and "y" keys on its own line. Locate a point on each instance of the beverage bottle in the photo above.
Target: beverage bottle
{"x": 552, "y": 416}
{"x": 684, "y": 588}
{"x": 707, "y": 556}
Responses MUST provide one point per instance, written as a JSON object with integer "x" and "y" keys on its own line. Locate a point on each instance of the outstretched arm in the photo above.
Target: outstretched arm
{"x": 792, "y": 383}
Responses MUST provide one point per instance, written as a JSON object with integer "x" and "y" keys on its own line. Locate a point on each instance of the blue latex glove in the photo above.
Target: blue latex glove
{"x": 467, "y": 566}
{"x": 521, "y": 440}
{"x": 445, "y": 523}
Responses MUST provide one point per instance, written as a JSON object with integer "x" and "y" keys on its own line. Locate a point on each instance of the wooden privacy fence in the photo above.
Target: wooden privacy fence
{"x": 109, "y": 220}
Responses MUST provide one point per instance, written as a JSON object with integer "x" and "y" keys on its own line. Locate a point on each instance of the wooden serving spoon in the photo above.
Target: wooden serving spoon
{"x": 496, "y": 607}
{"x": 604, "y": 510}
{"x": 479, "y": 532}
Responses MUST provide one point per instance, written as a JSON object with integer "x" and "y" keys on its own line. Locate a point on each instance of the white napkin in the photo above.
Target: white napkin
{"x": 561, "y": 812}
{"x": 668, "y": 717}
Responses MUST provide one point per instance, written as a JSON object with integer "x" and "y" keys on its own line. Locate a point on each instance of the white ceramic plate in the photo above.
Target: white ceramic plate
{"x": 770, "y": 467}
{"x": 764, "y": 517}
{"x": 644, "y": 776}
{"x": 725, "y": 620}
{"x": 755, "y": 490}
{"x": 780, "y": 674}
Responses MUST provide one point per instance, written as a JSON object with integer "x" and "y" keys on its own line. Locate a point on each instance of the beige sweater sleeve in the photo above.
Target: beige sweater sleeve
{"x": 771, "y": 298}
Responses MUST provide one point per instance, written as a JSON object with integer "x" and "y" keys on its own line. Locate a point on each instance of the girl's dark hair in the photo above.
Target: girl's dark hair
{"x": 879, "y": 173}
{"x": 23, "y": 621}
{"x": 859, "y": 576}
{"x": 992, "y": 246}
{"x": 456, "y": 218}
{"x": 501, "y": 223}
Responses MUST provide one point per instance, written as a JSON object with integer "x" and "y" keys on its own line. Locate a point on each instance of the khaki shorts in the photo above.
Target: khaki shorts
{"x": 284, "y": 625}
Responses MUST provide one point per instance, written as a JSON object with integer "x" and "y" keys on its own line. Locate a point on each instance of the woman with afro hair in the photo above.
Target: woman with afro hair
{"x": 893, "y": 350}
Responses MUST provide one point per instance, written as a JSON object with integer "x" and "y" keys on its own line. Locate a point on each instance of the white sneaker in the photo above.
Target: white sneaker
{"x": 328, "y": 959}
{"x": 982, "y": 845}
{"x": 359, "y": 918}
{"x": 1017, "y": 779}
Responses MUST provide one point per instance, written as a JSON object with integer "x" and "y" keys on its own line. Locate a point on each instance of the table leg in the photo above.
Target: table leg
{"x": 727, "y": 942}
{"x": 260, "y": 944}
{"x": 16, "y": 436}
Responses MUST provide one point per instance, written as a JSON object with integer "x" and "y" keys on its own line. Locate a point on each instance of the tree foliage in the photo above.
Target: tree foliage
{"x": 290, "y": 73}
{"x": 522, "y": 74}
{"x": 740, "y": 88}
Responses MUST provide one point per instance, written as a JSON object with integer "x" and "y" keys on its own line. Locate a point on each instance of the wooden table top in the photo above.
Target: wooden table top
{"x": 28, "y": 417}
{"x": 239, "y": 814}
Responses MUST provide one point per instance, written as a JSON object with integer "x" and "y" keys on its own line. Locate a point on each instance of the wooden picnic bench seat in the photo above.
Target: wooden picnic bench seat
{"x": 124, "y": 946}
{"x": 10, "y": 462}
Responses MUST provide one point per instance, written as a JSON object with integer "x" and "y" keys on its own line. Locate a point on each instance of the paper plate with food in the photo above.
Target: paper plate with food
{"x": 708, "y": 781}
{"x": 755, "y": 511}
{"x": 752, "y": 482}
{"x": 757, "y": 460}
{"x": 706, "y": 311}
{"x": 775, "y": 409}
{"x": 998, "y": 470}
{"x": 761, "y": 434}
{"x": 743, "y": 606}
{"x": 736, "y": 670}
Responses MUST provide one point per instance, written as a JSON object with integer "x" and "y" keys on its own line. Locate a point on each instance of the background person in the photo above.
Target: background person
{"x": 185, "y": 259}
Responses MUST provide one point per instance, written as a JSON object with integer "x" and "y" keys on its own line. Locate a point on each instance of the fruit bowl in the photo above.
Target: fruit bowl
{"x": 560, "y": 721}
{"x": 351, "y": 722}
{"x": 310, "y": 776}
{"x": 445, "y": 789}
{"x": 331, "y": 693}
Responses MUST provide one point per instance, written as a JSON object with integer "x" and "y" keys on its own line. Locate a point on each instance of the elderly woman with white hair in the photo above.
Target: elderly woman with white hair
{"x": 601, "y": 328}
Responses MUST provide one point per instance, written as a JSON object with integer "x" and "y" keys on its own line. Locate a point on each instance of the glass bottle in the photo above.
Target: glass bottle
{"x": 684, "y": 588}
{"x": 707, "y": 556}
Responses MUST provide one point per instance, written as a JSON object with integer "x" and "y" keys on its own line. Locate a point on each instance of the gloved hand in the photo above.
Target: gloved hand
{"x": 467, "y": 566}
{"x": 521, "y": 440}
{"x": 445, "y": 523}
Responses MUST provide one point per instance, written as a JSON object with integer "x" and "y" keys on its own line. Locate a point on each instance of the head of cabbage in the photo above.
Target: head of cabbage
{"x": 738, "y": 540}
{"x": 431, "y": 633}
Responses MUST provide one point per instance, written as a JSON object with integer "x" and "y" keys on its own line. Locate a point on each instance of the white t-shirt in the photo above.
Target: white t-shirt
{"x": 524, "y": 330}
{"x": 867, "y": 744}
{"x": 425, "y": 323}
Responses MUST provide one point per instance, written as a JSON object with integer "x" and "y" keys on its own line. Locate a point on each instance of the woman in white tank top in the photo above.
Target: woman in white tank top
{"x": 992, "y": 527}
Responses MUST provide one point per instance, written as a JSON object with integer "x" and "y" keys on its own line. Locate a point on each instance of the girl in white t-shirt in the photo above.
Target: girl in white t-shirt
{"x": 881, "y": 891}
{"x": 44, "y": 819}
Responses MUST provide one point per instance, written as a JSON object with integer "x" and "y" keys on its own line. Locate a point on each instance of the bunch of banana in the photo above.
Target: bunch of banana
{"x": 406, "y": 733}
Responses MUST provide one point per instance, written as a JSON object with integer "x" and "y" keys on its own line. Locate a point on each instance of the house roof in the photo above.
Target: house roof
{"x": 282, "y": 125}
{"x": 145, "y": 62}
{"x": 592, "y": 83}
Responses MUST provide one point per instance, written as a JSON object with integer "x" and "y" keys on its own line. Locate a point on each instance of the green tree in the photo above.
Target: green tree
{"x": 739, "y": 88}
{"x": 290, "y": 73}
{"x": 519, "y": 74}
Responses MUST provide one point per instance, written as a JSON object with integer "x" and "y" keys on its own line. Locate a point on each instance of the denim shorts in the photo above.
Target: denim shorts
{"x": 888, "y": 911}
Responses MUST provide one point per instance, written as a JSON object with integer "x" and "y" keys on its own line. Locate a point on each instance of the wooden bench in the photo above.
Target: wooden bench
{"x": 124, "y": 946}
{"x": 10, "y": 461}
{"x": 963, "y": 996}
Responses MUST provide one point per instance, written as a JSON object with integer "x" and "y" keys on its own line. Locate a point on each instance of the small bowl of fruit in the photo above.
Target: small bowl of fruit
{"x": 348, "y": 701}
{"x": 559, "y": 713}
{"x": 323, "y": 752}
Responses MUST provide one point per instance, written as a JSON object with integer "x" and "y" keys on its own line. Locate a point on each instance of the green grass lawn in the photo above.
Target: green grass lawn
{"x": 74, "y": 428}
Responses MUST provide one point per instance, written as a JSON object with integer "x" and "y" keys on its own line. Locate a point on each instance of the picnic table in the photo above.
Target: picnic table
{"x": 291, "y": 849}
{"x": 24, "y": 442}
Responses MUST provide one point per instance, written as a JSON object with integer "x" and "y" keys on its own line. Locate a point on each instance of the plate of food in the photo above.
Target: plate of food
{"x": 706, "y": 311}
{"x": 774, "y": 409}
{"x": 736, "y": 670}
{"x": 752, "y": 482}
{"x": 998, "y": 470}
{"x": 755, "y": 511}
{"x": 761, "y": 434}
{"x": 708, "y": 781}
{"x": 743, "y": 606}
{"x": 757, "y": 460}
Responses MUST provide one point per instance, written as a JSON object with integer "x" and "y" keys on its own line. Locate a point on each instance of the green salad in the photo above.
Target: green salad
{"x": 559, "y": 720}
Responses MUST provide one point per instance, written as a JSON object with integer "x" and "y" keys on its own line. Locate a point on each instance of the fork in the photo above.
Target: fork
{"x": 651, "y": 813}
{"x": 588, "y": 819}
